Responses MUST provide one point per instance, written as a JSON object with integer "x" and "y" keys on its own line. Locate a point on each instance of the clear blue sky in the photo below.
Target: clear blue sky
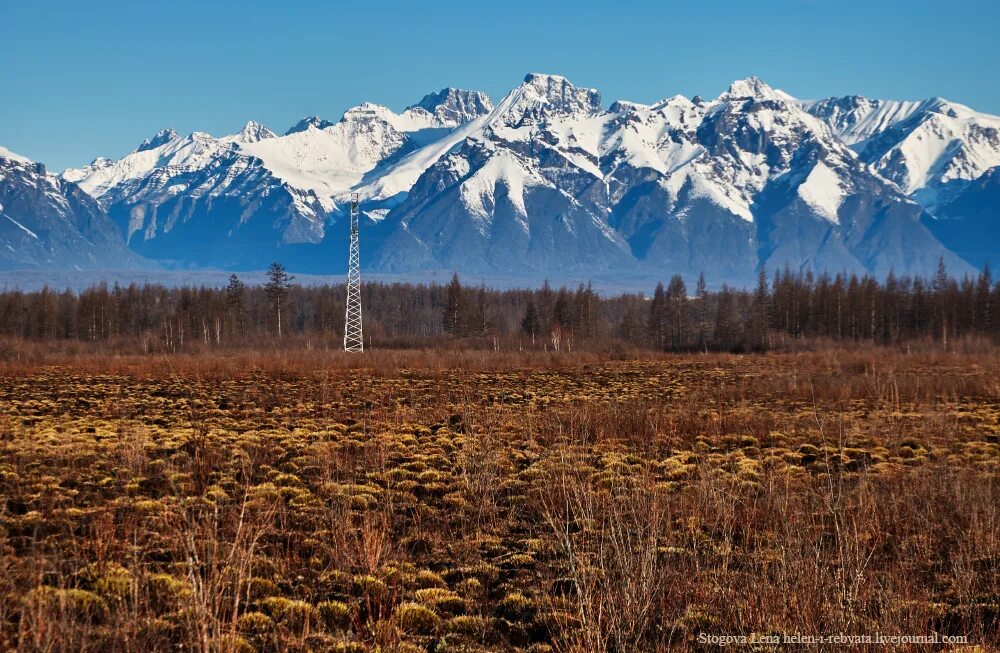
{"x": 82, "y": 79}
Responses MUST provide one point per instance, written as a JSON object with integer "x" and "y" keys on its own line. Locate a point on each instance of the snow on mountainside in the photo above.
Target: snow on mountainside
{"x": 822, "y": 190}
{"x": 943, "y": 155}
{"x": 202, "y": 200}
{"x": 232, "y": 213}
{"x": 920, "y": 146}
{"x": 311, "y": 121}
{"x": 166, "y": 150}
{"x": 396, "y": 177}
{"x": 549, "y": 181}
{"x": 333, "y": 160}
{"x": 13, "y": 156}
{"x": 252, "y": 132}
{"x": 755, "y": 134}
{"x": 680, "y": 184}
{"x": 452, "y": 107}
{"x": 347, "y": 155}
{"x": 49, "y": 223}
{"x": 854, "y": 118}
{"x": 314, "y": 155}
{"x": 479, "y": 190}
{"x": 255, "y": 187}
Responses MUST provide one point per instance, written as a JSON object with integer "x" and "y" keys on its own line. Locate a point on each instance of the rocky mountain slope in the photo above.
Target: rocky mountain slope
{"x": 50, "y": 223}
{"x": 551, "y": 182}
{"x": 942, "y": 154}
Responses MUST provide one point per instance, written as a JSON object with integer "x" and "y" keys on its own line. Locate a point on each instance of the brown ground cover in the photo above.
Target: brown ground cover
{"x": 480, "y": 502}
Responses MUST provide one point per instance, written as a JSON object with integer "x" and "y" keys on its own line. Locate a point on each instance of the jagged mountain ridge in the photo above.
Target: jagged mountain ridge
{"x": 919, "y": 146}
{"x": 942, "y": 154}
{"x": 47, "y": 222}
{"x": 550, "y": 182}
{"x": 242, "y": 200}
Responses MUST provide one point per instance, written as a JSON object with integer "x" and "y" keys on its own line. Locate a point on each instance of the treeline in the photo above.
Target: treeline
{"x": 787, "y": 305}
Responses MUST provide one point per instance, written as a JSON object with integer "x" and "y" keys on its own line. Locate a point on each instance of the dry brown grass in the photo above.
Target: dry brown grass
{"x": 474, "y": 501}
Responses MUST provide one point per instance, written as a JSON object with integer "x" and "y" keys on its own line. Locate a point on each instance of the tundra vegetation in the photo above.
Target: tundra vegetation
{"x": 201, "y": 469}
{"x": 474, "y": 500}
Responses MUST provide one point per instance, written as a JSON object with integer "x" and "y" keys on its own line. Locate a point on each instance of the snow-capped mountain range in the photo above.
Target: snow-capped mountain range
{"x": 549, "y": 182}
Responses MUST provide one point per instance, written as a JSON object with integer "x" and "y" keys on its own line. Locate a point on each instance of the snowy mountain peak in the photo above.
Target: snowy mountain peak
{"x": 755, "y": 88}
{"x": 546, "y": 79}
{"x": 545, "y": 95}
{"x": 928, "y": 148}
{"x": 165, "y": 150}
{"x": 675, "y": 104}
{"x": 76, "y": 175}
{"x": 253, "y": 132}
{"x": 625, "y": 106}
{"x": 309, "y": 121}
{"x": 453, "y": 106}
{"x": 366, "y": 111}
{"x": 12, "y": 156}
{"x": 370, "y": 117}
{"x": 163, "y": 136}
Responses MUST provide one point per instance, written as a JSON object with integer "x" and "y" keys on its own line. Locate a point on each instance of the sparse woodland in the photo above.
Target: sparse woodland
{"x": 783, "y": 311}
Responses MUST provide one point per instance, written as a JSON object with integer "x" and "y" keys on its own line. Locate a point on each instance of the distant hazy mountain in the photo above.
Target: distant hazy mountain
{"x": 549, "y": 182}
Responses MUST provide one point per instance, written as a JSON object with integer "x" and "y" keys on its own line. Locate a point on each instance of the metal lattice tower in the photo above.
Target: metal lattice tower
{"x": 353, "y": 338}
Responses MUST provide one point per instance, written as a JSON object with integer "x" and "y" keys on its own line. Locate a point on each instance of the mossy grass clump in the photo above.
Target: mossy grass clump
{"x": 335, "y": 615}
{"x": 350, "y": 647}
{"x": 165, "y": 589}
{"x": 515, "y": 606}
{"x": 293, "y": 613}
{"x": 255, "y": 623}
{"x": 441, "y": 600}
{"x": 369, "y": 587}
{"x": 472, "y": 626}
{"x": 80, "y": 604}
{"x": 425, "y": 578}
{"x": 109, "y": 580}
{"x": 417, "y": 619}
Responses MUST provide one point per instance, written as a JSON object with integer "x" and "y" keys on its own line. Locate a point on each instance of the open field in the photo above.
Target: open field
{"x": 470, "y": 502}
